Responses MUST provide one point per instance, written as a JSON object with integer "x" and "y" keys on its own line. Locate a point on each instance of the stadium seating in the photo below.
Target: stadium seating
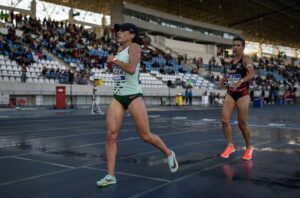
{"x": 92, "y": 53}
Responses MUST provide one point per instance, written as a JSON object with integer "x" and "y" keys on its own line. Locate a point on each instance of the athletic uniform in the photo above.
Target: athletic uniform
{"x": 235, "y": 73}
{"x": 126, "y": 89}
{"x": 126, "y": 86}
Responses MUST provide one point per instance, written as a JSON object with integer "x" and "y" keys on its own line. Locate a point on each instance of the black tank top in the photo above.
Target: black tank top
{"x": 235, "y": 73}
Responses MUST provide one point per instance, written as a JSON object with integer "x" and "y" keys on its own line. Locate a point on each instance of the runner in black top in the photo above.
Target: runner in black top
{"x": 236, "y": 73}
{"x": 239, "y": 74}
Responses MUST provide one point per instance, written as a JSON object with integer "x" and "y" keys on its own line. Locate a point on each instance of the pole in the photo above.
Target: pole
{"x": 71, "y": 99}
{"x": 95, "y": 106}
{"x": 93, "y": 100}
{"x": 169, "y": 96}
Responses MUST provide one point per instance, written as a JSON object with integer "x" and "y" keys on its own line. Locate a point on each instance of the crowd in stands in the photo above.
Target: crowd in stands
{"x": 156, "y": 59}
{"x": 75, "y": 45}
{"x": 17, "y": 48}
{"x": 277, "y": 80}
{"x": 84, "y": 50}
{"x": 35, "y": 35}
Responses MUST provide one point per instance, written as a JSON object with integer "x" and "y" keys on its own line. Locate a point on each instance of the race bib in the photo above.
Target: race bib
{"x": 119, "y": 74}
{"x": 119, "y": 77}
{"x": 233, "y": 78}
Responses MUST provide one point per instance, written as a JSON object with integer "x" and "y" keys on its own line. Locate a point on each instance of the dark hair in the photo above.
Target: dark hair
{"x": 132, "y": 29}
{"x": 239, "y": 38}
{"x": 138, "y": 40}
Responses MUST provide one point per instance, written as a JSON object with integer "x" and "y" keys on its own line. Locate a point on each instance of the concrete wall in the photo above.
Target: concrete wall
{"x": 44, "y": 94}
{"x": 117, "y": 16}
{"x": 165, "y": 15}
{"x": 176, "y": 32}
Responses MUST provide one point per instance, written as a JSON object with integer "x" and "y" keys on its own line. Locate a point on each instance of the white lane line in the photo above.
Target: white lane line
{"x": 202, "y": 142}
{"x": 87, "y": 166}
{"x": 13, "y": 143}
{"x": 274, "y": 127}
{"x": 179, "y": 118}
{"x": 269, "y": 125}
{"x": 30, "y": 141}
{"x": 54, "y": 128}
{"x": 34, "y": 177}
{"x": 43, "y": 162}
{"x": 154, "y": 116}
{"x": 208, "y": 120}
{"x": 77, "y": 134}
{"x": 276, "y": 124}
{"x": 99, "y": 143}
{"x": 2, "y": 117}
{"x": 129, "y": 174}
{"x": 186, "y": 176}
{"x": 57, "y": 128}
{"x": 67, "y": 136}
{"x": 129, "y": 156}
{"x": 61, "y": 128}
{"x": 179, "y": 179}
{"x": 51, "y": 119}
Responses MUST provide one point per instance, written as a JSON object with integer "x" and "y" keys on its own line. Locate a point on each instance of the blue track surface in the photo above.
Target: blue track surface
{"x": 61, "y": 154}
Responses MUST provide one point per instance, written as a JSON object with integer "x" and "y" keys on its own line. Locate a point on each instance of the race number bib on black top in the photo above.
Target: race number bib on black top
{"x": 233, "y": 78}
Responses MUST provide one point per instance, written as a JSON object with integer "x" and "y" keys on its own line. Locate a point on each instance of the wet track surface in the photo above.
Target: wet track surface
{"x": 61, "y": 154}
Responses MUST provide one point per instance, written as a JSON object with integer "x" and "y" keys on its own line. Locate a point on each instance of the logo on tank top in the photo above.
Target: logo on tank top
{"x": 239, "y": 65}
{"x": 231, "y": 71}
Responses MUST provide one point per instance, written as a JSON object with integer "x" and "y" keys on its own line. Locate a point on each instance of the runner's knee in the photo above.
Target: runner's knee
{"x": 225, "y": 122}
{"x": 242, "y": 125}
{"x": 146, "y": 137}
{"x": 111, "y": 135}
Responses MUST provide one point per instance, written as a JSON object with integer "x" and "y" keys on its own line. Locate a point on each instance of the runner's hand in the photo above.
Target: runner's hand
{"x": 110, "y": 59}
{"x": 236, "y": 84}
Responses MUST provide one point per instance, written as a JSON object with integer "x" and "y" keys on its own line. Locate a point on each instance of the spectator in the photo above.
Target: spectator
{"x": 44, "y": 72}
{"x": 71, "y": 77}
{"x": 212, "y": 97}
{"x": 161, "y": 69}
{"x": 23, "y": 75}
{"x": 293, "y": 95}
{"x": 209, "y": 66}
{"x": 251, "y": 95}
{"x": 143, "y": 68}
{"x": 188, "y": 96}
{"x": 180, "y": 69}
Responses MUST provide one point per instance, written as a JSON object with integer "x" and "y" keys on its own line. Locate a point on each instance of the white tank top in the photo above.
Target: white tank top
{"x": 124, "y": 83}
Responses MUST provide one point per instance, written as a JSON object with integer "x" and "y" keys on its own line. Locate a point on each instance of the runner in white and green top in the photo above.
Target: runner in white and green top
{"x": 126, "y": 86}
{"x": 128, "y": 95}
{"x": 124, "y": 83}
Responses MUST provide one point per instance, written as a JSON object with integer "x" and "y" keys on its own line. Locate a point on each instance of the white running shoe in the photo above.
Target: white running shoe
{"x": 172, "y": 162}
{"x": 107, "y": 180}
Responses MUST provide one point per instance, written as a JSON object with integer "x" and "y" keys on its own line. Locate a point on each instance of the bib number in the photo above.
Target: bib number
{"x": 233, "y": 78}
